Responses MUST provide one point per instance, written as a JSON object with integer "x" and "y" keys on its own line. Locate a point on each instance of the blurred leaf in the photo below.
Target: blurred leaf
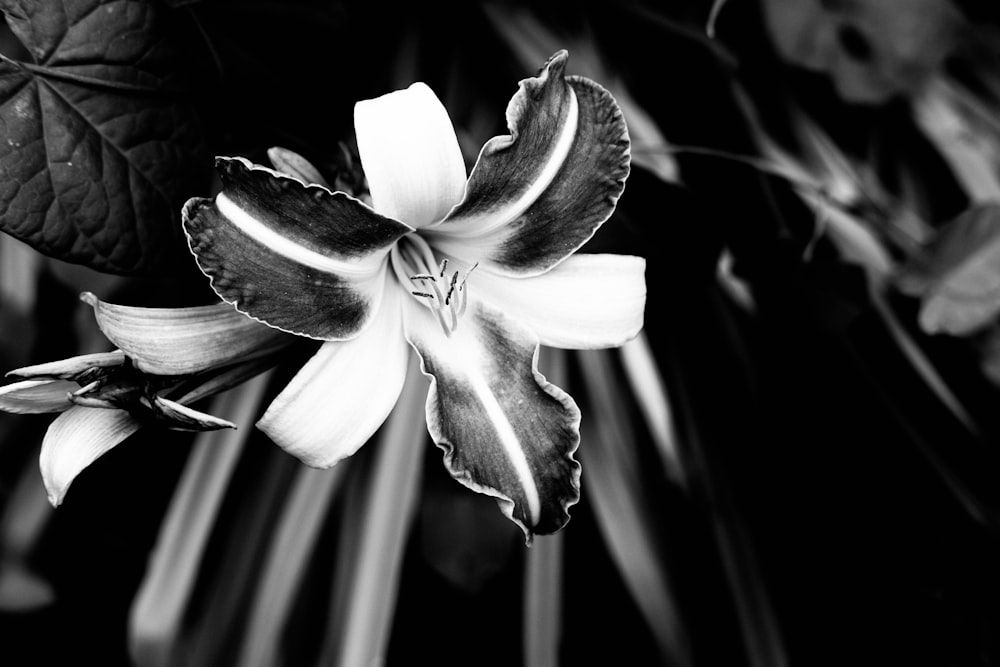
{"x": 158, "y": 612}
{"x": 374, "y": 535}
{"x": 19, "y": 269}
{"x": 543, "y": 617}
{"x": 713, "y": 16}
{"x": 650, "y": 393}
{"x": 957, "y": 275}
{"x": 21, "y": 526}
{"x": 542, "y": 622}
{"x": 608, "y": 453}
{"x": 967, "y": 136}
{"x": 99, "y": 151}
{"x": 990, "y": 356}
{"x": 291, "y": 547}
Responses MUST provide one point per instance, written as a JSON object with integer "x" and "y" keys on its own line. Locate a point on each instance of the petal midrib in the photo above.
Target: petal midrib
{"x": 504, "y": 215}
{"x": 288, "y": 248}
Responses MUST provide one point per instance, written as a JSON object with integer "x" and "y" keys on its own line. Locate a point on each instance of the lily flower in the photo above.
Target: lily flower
{"x": 187, "y": 354}
{"x": 473, "y": 272}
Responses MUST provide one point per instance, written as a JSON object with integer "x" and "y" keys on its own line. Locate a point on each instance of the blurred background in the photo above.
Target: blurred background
{"x": 795, "y": 464}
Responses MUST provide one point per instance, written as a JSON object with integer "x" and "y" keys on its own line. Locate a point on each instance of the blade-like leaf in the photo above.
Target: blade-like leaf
{"x": 613, "y": 473}
{"x": 374, "y": 536}
{"x": 98, "y": 147}
{"x": 650, "y": 393}
{"x": 22, "y": 524}
{"x": 543, "y": 580}
{"x": 157, "y": 614}
{"x": 966, "y": 140}
{"x": 292, "y": 545}
{"x": 543, "y": 622}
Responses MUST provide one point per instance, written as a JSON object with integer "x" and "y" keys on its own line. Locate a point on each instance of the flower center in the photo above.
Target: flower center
{"x": 446, "y": 294}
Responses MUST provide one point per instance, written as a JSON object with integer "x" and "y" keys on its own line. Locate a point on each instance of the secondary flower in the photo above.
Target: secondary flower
{"x": 472, "y": 273}
{"x": 187, "y": 354}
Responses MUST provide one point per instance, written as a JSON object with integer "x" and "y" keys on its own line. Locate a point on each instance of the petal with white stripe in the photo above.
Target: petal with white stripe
{"x": 297, "y": 257}
{"x": 343, "y": 393}
{"x": 77, "y": 438}
{"x": 587, "y": 302}
{"x": 180, "y": 341}
{"x": 505, "y": 430}
{"x": 538, "y": 194}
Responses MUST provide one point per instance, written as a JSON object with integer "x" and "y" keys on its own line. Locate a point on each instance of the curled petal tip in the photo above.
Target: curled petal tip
{"x": 89, "y": 298}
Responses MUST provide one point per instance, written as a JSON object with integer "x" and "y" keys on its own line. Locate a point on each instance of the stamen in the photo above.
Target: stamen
{"x": 444, "y": 325}
{"x": 468, "y": 273}
{"x": 451, "y": 288}
{"x": 413, "y": 261}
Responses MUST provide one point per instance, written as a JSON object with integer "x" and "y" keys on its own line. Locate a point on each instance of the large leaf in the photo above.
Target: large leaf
{"x": 98, "y": 143}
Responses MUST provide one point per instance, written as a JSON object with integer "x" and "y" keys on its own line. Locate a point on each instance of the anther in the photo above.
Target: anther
{"x": 451, "y": 288}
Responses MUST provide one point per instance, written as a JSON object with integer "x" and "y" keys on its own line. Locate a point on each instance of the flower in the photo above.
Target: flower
{"x": 472, "y": 273}
{"x": 186, "y": 354}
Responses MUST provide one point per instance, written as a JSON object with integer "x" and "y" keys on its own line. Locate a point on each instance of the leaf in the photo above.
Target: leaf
{"x": 964, "y": 133}
{"x": 957, "y": 275}
{"x": 713, "y": 17}
{"x": 156, "y": 618}
{"x": 990, "y": 356}
{"x": 98, "y": 147}
{"x": 291, "y": 546}
{"x": 370, "y": 562}
{"x": 609, "y": 456}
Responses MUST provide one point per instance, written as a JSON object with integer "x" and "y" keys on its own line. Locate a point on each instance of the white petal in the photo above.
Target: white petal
{"x": 410, "y": 155}
{"x": 76, "y": 439}
{"x": 178, "y": 341}
{"x": 36, "y": 396}
{"x": 587, "y": 302}
{"x": 68, "y": 369}
{"x": 183, "y": 418}
{"x": 343, "y": 394}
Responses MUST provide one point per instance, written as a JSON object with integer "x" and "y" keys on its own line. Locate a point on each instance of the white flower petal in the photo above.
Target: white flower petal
{"x": 410, "y": 155}
{"x": 183, "y": 418}
{"x": 343, "y": 394}
{"x": 67, "y": 369}
{"x": 587, "y": 302}
{"x": 178, "y": 341}
{"x": 77, "y": 438}
{"x": 36, "y": 396}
